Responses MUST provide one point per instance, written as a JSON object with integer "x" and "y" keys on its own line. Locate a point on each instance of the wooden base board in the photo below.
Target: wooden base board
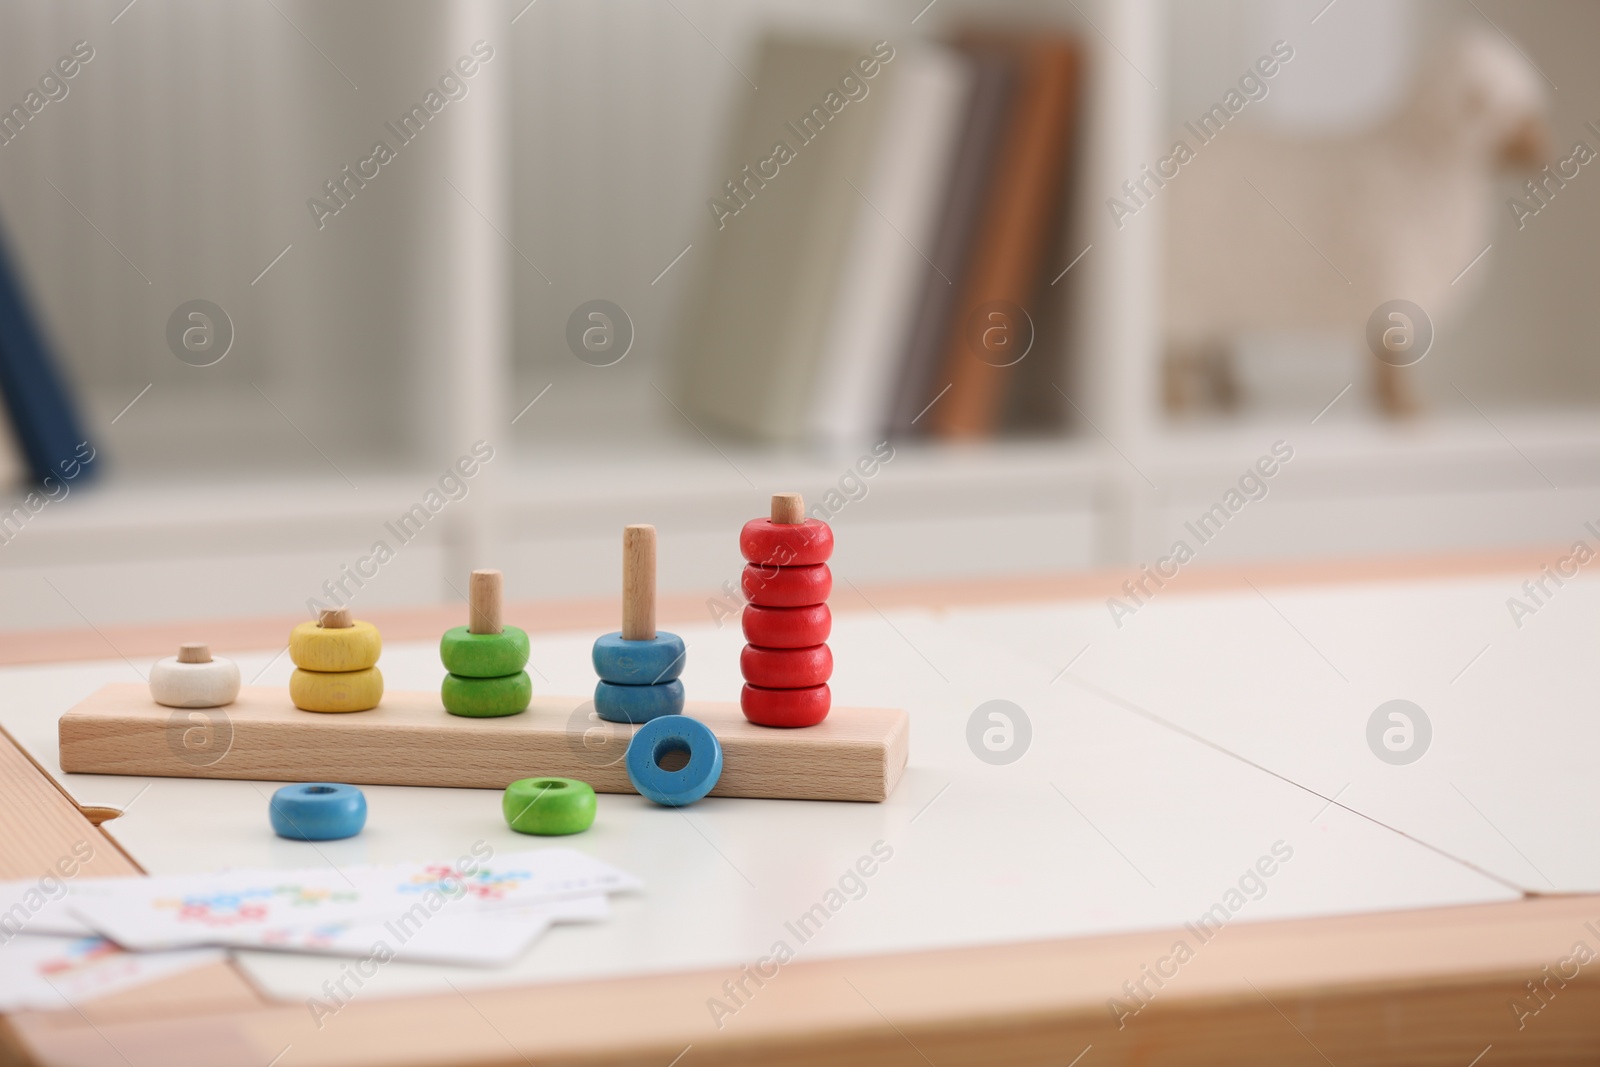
{"x": 409, "y": 739}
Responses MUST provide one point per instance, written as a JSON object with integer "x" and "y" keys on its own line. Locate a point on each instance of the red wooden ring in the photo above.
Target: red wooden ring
{"x": 787, "y": 627}
{"x": 786, "y": 668}
{"x": 786, "y": 587}
{"x": 797, "y": 544}
{"x": 785, "y": 707}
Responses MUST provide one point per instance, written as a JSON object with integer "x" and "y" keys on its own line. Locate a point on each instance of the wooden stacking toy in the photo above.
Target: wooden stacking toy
{"x": 787, "y": 664}
{"x": 336, "y": 663}
{"x": 485, "y": 658}
{"x": 638, "y": 667}
{"x": 194, "y": 679}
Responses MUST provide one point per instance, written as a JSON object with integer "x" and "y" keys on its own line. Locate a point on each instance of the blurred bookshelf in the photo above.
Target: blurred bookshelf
{"x": 218, "y": 503}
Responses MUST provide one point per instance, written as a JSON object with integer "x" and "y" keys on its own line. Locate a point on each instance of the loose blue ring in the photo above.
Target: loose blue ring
{"x": 317, "y": 811}
{"x": 668, "y": 740}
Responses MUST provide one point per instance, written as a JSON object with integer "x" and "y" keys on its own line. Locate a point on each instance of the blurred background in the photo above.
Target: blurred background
{"x": 980, "y": 308}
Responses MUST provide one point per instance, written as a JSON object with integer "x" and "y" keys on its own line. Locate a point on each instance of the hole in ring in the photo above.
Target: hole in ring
{"x": 319, "y": 790}
{"x": 549, "y": 783}
{"x": 671, "y": 754}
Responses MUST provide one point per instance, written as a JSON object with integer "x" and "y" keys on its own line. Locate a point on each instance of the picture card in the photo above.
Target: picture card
{"x": 49, "y": 973}
{"x": 483, "y": 938}
{"x": 263, "y": 908}
{"x": 37, "y": 906}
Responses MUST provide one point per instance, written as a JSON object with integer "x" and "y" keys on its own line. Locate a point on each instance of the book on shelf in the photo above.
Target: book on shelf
{"x": 751, "y": 343}
{"x": 1035, "y": 401}
{"x": 988, "y": 340}
{"x": 44, "y": 424}
{"x": 875, "y": 200}
{"x": 876, "y": 302}
{"x": 971, "y": 168}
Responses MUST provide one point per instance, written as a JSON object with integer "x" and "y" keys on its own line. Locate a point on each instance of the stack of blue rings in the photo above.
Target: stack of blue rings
{"x": 638, "y": 679}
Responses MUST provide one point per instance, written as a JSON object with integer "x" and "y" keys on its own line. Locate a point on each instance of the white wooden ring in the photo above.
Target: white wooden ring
{"x": 194, "y": 685}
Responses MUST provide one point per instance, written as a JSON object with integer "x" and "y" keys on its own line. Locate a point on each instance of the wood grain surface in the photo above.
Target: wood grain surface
{"x": 485, "y": 601}
{"x": 43, "y": 833}
{"x": 409, "y": 739}
{"x": 639, "y": 583}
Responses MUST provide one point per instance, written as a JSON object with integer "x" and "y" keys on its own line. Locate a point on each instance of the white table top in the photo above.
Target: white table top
{"x": 1110, "y": 822}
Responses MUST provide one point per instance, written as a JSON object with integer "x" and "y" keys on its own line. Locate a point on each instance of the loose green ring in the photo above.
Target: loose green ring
{"x": 549, "y": 806}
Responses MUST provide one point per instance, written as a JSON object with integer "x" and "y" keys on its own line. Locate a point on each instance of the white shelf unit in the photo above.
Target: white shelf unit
{"x": 182, "y": 550}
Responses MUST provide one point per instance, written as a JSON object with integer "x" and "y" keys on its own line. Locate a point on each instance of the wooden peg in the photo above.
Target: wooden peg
{"x": 485, "y": 594}
{"x": 194, "y": 652}
{"x": 335, "y": 619}
{"x": 639, "y": 583}
{"x": 788, "y": 508}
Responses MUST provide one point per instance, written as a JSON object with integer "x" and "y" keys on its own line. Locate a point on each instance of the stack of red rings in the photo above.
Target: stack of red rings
{"x": 786, "y": 665}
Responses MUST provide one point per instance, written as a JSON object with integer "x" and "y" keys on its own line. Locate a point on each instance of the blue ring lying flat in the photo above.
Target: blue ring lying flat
{"x": 623, "y": 662}
{"x": 637, "y": 703}
{"x": 660, "y": 738}
{"x": 317, "y": 811}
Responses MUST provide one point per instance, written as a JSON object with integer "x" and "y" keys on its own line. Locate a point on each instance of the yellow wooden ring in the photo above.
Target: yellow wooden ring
{"x": 336, "y": 691}
{"x": 349, "y": 648}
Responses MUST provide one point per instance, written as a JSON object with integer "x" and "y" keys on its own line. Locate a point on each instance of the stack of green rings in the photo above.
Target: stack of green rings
{"x": 486, "y": 678}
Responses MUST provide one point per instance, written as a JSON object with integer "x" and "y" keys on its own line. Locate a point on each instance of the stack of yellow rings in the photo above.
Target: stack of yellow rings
{"x": 336, "y": 664}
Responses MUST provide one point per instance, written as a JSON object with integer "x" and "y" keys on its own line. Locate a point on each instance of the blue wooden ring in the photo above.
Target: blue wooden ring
{"x": 659, "y": 738}
{"x": 637, "y": 703}
{"x": 317, "y": 811}
{"x": 623, "y": 662}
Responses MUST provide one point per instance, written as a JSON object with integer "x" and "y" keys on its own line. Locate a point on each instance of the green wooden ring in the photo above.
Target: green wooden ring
{"x": 548, "y": 806}
{"x": 473, "y": 655}
{"x": 486, "y": 698}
